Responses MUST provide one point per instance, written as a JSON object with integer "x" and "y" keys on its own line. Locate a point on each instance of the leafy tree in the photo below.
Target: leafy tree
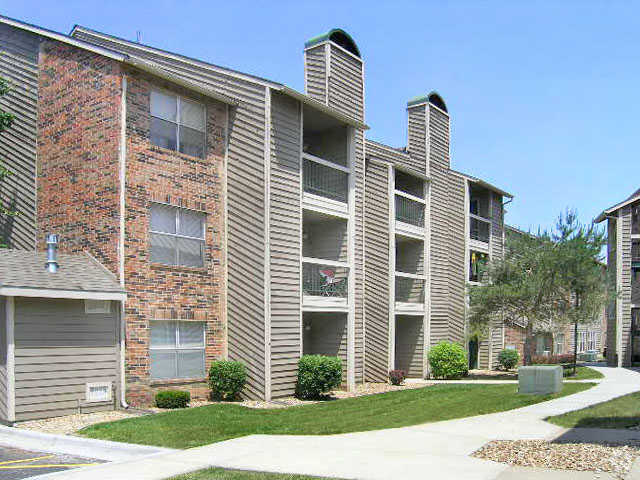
{"x": 547, "y": 280}
{"x": 6, "y": 120}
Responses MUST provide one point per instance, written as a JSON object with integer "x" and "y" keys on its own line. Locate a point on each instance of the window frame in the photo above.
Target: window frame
{"x": 177, "y": 348}
{"x": 179, "y": 99}
{"x": 202, "y": 240}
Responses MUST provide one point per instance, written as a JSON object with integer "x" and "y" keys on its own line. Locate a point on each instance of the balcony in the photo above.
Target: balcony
{"x": 635, "y": 219}
{"x": 635, "y": 272}
{"x": 325, "y": 185}
{"x": 325, "y": 285}
{"x": 410, "y": 212}
{"x": 409, "y": 293}
{"x": 479, "y": 231}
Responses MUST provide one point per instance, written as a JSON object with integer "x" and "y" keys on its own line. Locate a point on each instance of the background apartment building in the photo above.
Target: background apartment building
{"x": 236, "y": 212}
{"x": 623, "y": 263}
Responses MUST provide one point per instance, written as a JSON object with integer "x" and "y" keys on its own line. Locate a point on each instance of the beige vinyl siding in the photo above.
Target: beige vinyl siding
{"x": 60, "y": 348}
{"x": 409, "y": 345}
{"x": 3, "y": 360}
{"x": 624, "y": 217}
{"x": 328, "y": 336}
{"x": 417, "y": 138}
{"x": 285, "y": 244}
{"x": 612, "y": 262}
{"x": 245, "y": 203}
{"x": 438, "y": 137}
{"x": 377, "y": 270}
{"x": 19, "y": 67}
{"x": 316, "y": 72}
{"x": 345, "y": 83}
{"x": 457, "y": 261}
{"x": 359, "y": 332}
{"x": 497, "y": 226}
{"x": 396, "y": 157}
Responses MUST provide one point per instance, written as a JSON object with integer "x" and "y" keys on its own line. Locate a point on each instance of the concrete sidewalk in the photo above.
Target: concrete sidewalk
{"x": 440, "y": 450}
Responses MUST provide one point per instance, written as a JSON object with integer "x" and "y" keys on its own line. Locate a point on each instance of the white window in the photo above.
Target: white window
{"x": 177, "y": 124}
{"x": 592, "y": 340}
{"x": 97, "y": 306}
{"x": 177, "y": 236}
{"x": 98, "y": 392}
{"x": 177, "y": 349}
{"x": 582, "y": 342}
{"x": 559, "y": 343}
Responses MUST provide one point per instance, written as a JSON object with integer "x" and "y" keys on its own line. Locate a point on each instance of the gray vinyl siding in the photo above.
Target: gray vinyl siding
{"x": 316, "y": 73}
{"x": 377, "y": 270}
{"x": 58, "y": 349}
{"x": 285, "y": 234}
{"x": 457, "y": 261}
{"x": 624, "y": 216}
{"x": 417, "y": 138}
{"x": 3, "y": 360}
{"x": 409, "y": 345}
{"x": 19, "y": 67}
{"x": 245, "y": 204}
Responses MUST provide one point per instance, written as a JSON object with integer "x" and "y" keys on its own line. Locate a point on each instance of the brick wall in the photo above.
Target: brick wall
{"x": 77, "y": 151}
{"x": 171, "y": 292}
{"x": 514, "y": 336}
{"x": 78, "y": 198}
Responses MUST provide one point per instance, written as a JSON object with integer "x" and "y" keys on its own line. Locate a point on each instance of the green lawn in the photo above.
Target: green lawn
{"x": 583, "y": 373}
{"x": 218, "y": 422}
{"x": 621, "y": 412}
{"x": 222, "y": 474}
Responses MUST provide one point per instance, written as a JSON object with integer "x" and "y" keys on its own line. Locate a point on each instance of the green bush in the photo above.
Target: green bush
{"x": 173, "y": 399}
{"x": 448, "y": 360}
{"x": 508, "y": 358}
{"x": 317, "y": 375}
{"x": 227, "y": 379}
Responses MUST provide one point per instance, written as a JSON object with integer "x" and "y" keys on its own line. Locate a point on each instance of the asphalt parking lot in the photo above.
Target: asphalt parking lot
{"x": 16, "y": 464}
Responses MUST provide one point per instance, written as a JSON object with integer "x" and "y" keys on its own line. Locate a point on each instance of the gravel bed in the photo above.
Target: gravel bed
{"x": 72, "y": 423}
{"x": 616, "y": 460}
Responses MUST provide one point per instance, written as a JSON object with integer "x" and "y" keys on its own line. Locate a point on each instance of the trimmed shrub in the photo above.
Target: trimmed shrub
{"x": 396, "y": 377}
{"x": 173, "y": 399}
{"x": 318, "y": 375}
{"x": 508, "y": 358}
{"x": 448, "y": 360}
{"x": 552, "y": 359}
{"x": 227, "y": 379}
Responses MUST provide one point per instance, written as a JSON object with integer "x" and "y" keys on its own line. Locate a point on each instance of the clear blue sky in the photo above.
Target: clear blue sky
{"x": 543, "y": 96}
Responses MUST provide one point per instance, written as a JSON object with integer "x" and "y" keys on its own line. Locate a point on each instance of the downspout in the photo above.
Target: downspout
{"x": 122, "y": 165}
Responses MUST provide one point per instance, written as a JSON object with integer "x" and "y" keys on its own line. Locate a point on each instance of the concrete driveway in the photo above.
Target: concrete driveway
{"x": 437, "y": 450}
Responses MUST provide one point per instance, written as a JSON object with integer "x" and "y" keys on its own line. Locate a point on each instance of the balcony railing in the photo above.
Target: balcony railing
{"x": 325, "y": 280}
{"x": 409, "y": 211}
{"x": 323, "y": 178}
{"x": 479, "y": 228}
{"x": 409, "y": 288}
{"x": 635, "y": 220}
{"x": 635, "y": 251}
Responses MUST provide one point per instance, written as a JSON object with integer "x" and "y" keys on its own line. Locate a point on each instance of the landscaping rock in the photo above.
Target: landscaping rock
{"x": 616, "y": 460}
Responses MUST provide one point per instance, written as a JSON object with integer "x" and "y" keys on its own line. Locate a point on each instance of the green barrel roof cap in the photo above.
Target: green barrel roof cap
{"x": 338, "y": 36}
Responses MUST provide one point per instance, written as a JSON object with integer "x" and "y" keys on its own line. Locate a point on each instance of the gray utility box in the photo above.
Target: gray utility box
{"x": 540, "y": 380}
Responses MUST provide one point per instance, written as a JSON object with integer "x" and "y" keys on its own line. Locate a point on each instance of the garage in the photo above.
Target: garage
{"x": 60, "y": 332}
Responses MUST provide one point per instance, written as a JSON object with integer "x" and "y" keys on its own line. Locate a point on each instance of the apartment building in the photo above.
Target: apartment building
{"x": 623, "y": 264}
{"x": 243, "y": 219}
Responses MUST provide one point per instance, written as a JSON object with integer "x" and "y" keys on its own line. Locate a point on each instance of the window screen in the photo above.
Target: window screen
{"x": 177, "y": 124}
{"x": 177, "y": 236}
{"x": 177, "y": 349}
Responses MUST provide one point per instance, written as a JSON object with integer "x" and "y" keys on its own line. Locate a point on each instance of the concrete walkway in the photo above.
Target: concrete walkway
{"x": 439, "y": 450}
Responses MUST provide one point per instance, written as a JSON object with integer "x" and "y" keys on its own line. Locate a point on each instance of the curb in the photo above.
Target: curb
{"x": 82, "y": 447}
